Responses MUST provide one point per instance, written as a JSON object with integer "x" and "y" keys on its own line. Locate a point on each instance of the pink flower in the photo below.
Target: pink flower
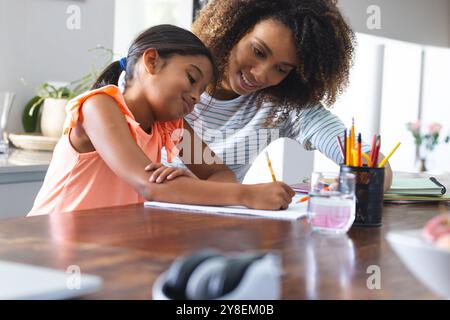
{"x": 414, "y": 126}
{"x": 434, "y": 128}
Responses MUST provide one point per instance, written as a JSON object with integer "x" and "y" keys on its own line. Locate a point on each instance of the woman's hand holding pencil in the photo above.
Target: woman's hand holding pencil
{"x": 276, "y": 194}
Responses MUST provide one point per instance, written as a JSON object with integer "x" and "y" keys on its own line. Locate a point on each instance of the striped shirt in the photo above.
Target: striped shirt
{"x": 234, "y": 130}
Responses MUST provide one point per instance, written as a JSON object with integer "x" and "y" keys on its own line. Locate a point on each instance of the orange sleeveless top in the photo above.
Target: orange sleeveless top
{"x": 78, "y": 181}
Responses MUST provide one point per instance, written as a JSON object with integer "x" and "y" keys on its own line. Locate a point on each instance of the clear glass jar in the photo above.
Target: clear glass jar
{"x": 6, "y": 101}
{"x": 331, "y": 204}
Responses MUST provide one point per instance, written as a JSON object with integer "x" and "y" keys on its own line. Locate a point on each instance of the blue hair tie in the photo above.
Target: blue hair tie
{"x": 123, "y": 63}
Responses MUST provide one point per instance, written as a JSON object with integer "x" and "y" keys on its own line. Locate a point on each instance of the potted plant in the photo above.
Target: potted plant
{"x": 54, "y": 108}
{"x": 46, "y": 111}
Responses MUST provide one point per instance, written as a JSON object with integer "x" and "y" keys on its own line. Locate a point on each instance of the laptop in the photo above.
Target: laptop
{"x": 28, "y": 282}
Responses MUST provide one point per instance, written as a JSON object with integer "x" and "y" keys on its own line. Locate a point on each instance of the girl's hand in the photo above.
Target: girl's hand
{"x": 162, "y": 173}
{"x": 268, "y": 196}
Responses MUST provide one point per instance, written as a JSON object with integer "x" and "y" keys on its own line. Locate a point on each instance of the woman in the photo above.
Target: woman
{"x": 279, "y": 62}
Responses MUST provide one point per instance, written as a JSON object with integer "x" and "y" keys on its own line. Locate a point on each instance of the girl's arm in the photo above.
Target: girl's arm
{"x": 108, "y": 132}
{"x": 215, "y": 171}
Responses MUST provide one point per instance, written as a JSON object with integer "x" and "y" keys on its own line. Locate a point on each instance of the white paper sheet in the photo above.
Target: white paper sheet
{"x": 294, "y": 212}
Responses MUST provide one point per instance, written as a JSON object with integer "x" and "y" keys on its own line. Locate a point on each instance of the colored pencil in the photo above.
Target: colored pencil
{"x": 366, "y": 156}
{"x": 306, "y": 198}
{"x": 345, "y": 146}
{"x": 359, "y": 150}
{"x": 352, "y": 142}
{"x": 377, "y": 152}
{"x": 383, "y": 162}
{"x": 348, "y": 152}
{"x": 372, "y": 148}
{"x": 341, "y": 147}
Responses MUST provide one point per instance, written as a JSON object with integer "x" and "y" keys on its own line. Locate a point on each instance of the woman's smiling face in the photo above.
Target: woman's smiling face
{"x": 261, "y": 59}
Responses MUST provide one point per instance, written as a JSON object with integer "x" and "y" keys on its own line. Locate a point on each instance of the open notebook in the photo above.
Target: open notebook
{"x": 295, "y": 211}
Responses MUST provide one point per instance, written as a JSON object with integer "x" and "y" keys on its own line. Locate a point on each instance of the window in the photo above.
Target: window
{"x": 436, "y": 102}
{"x": 394, "y": 82}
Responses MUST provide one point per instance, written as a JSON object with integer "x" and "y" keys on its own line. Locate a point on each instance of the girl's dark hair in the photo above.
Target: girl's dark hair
{"x": 168, "y": 40}
{"x": 323, "y": 39}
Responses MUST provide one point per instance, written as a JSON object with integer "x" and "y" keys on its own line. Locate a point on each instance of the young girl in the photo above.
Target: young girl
{"x": 110, "y": 137}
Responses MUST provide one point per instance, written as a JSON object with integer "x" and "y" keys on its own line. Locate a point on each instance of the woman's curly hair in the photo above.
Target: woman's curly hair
{"x": 323, "y": 39}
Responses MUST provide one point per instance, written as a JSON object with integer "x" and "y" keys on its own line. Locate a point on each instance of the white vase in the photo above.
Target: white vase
{"x": 53, "y": 116}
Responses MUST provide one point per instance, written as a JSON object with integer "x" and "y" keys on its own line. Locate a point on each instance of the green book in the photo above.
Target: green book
{"x": 416, "y": 187}
{"x": 395, "y": 198}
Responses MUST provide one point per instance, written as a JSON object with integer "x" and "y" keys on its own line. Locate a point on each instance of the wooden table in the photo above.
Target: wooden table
{"x": 130, "y": 246}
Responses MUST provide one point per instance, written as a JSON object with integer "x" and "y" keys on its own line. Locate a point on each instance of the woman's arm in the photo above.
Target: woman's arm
{"x": 215, "y": 171}
{"x": 109, "y": 133}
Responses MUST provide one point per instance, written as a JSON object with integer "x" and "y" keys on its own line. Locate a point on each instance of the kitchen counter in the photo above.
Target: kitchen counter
{"x": 23, "y": 165}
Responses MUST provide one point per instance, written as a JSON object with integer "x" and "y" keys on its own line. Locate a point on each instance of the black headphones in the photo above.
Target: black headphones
{"x": 206, "y": 274}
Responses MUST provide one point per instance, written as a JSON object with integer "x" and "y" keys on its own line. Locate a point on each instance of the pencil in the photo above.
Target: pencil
{"x": 372, "y": 149}
{"x": 352, "y": 142}
{"x": 372, "y": 155}
{"x": 377, "y": 151}
{"x": 365, "y": 156}
{"x": 345, "y": 147}
{"x": 348, "y": 152}
{"x": 306, "y": 198}
{"x": 382, "y": 163}
{"x": 270, "y": 167}
{"x": 354, "y": 158}
{"x": 359, "y": 150}
{"x": 341, "y": 147}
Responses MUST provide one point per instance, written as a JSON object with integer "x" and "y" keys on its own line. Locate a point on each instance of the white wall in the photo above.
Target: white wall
{"x": 37, "y": 45}
{"x": 419, "y": 21}
{"x": 130, "y": 20}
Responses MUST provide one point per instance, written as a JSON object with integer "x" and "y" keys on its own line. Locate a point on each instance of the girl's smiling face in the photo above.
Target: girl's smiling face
{"x": 261, "y": 59}
{"x": 174, "y": 85}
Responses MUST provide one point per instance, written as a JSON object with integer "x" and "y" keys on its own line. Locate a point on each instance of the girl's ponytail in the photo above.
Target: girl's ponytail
{"x": 109, "y": 76}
